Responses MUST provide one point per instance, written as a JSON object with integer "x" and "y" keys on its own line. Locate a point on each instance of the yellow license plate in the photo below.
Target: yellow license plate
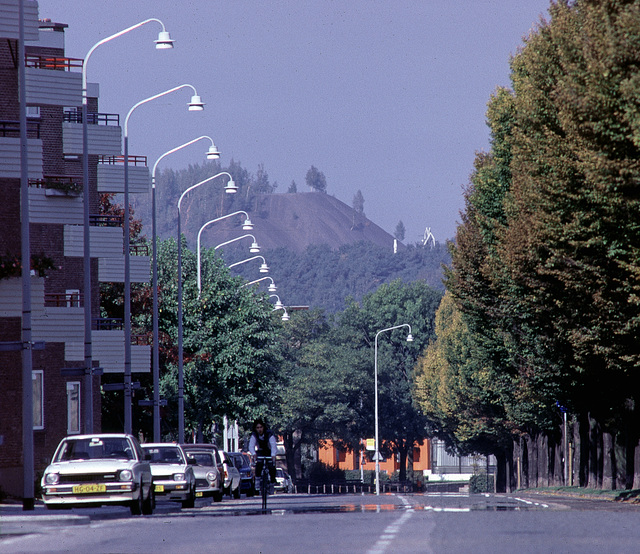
{"x": 198, "y": 494}
{"x": 84, "y": 489}
{"x": 159, "y": 488}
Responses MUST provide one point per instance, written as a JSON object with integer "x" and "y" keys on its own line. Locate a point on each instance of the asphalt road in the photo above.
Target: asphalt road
{"x": 430, "y": 523}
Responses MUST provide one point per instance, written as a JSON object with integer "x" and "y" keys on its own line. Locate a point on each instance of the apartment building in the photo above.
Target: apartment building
{"x": 56, "y": 217}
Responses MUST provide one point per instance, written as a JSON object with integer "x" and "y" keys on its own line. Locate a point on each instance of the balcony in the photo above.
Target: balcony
{"x": 10, "y": 22}
{"x": 111, "y": 270}
{"x": 104, "y": 133}
{"x": 53, "y": 81}
{"x": 108, "y": 348}
{"x": 111, "y": 174}
{"x": 106, "y": 237}
{"x": 56, "y": 199}
{"x": 10, "y": 150}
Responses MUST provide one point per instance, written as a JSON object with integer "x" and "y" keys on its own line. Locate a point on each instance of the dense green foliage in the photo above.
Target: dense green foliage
{"x": 545, "y": 274}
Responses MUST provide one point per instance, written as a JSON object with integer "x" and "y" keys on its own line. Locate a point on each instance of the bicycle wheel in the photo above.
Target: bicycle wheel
{"x": 264, "y": 488}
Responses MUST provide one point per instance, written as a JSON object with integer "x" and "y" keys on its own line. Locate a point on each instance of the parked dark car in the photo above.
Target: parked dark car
{"x": 247, "y": 476}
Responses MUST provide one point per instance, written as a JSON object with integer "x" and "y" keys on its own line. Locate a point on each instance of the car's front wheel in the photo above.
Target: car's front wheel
{"x": 149, "y": 503}
{"x": 217, "y": 496}
{"x": 190, "y": 502}
{"x": 136, "y": 505}
{"x": 236, "y": 492}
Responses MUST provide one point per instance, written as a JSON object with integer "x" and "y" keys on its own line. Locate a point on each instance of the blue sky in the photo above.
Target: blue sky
{"x": 386, "y": 97}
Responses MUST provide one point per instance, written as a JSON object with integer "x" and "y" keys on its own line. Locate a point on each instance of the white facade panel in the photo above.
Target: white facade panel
{"x": 111, "y": 270}
{"x": 111, "y": 179}
{"x": 11, "y": 297}
{"x": 10, "y": 22}
{"x": 59, "y": 324}
{"x": 49, "y": 207}
{"x": 10, "y": 158}
{"x": 74, "y": 351}
{"x": 108, "y": 349}
{"x": 103, "y": 139}
{"x": 105, "y": 241}
{"x": 53, "y": 87}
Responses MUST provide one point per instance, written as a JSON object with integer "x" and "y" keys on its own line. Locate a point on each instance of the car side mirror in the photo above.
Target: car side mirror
{"x": 191, "y": 462}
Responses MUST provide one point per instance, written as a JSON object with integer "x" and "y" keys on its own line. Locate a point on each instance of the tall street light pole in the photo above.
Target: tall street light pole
{"x": 212, "y": 154}
{"x": 163, "y": 42}
{"x": 194, "y": 105}
{"x": 230, "y": 188}
{"x": 375, "y": 362}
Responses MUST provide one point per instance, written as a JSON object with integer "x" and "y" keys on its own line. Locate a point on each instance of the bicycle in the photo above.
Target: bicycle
{"x": 265, "y": 479}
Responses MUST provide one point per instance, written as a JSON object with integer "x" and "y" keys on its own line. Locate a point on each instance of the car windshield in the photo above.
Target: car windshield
{"x": 164, "y": 454}
{"x": 280, "y": 473}
{"x": 202, "y": 458}
{"x": 241, "y": 462}
{"x": 95, "y": 448}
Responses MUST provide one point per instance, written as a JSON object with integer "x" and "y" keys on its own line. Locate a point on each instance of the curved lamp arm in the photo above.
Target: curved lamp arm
{"x": 196, "y": 103}
{"x": 164, "y": 41}
{"x": 212, "y": 150}
{"x": 263, "y": 268}
{"x": 202, "y": 183}
{"x": 254, "y": 246}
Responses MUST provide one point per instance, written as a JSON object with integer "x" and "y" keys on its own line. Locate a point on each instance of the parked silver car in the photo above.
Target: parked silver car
{"x": 208, "y": 478}
{"x": 231, "y": 475}
{"x": 173, "y": 476}
{"x": 99, "y": 469}
{"x": 284, "y": 482}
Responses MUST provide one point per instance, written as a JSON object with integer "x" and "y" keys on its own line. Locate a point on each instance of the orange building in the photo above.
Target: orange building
{"x": 333, "y": 456}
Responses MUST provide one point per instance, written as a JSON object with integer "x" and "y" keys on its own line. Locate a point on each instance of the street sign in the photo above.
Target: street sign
{"x": 371, "y": 444}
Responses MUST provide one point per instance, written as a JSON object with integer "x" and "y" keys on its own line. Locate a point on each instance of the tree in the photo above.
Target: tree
{"x": 316, "y": 180}
{"x": 358, "y": 202}
{"x": 293, "y": 188}
{"x": 400, "y": 231}
{"x": 401, "y": 423}
{"x": 229, "y": 341}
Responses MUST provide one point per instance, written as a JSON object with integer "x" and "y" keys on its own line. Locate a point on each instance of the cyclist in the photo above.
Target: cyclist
{"x": 263, "y": 443}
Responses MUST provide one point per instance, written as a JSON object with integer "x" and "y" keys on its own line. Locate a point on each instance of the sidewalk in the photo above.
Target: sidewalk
{"x": 16, "y": 521}
{"x": 631, "y": 496}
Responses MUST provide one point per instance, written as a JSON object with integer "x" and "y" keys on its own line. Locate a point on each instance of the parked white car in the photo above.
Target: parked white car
{"x": 173, "y": 476}
{"x": 99, "y": 469}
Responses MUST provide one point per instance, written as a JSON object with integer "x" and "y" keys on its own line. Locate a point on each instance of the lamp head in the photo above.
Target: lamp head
{"x": 164, "y": 41}
{"x": 272, "y": 288}
{"x": 196, "y": 104}
{"x": 254, "y": 248}
{"x": 278, "y": 305}
{"x": 247, "y": 225}
{"x": 231, "y": 188}
{"x": 213, "y": 153}
{"x": 409, "y": 337}
{"x": 285, "y": 317}
{"x": 264, "y": 268}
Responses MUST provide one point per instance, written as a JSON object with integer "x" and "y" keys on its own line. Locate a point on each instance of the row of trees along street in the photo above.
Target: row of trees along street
{"x": 543, "y": 299}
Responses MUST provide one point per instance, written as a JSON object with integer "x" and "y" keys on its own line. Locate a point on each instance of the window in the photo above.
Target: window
{"x": 416, "y": 455}
{"x": 33, "y": 111}
{"x": 341, "y": 455}
{"x": 73, "y": 407}
{"x": 38, "y": 398}
{"x": 73, "y": 298}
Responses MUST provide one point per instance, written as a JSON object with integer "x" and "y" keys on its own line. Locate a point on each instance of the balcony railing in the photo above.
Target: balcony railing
{"x": 107, "y": 324}
{"x": 113, "y": 160}
{"x": 48, "y": 62}
{"x": 139, "y": 249}
{"x": 75, "y": 116}
{"x": 65, "y": 183}
{"x": 63, "y": 299}
{"x": 12, "y": 129}
{"x": 101, "y": 220}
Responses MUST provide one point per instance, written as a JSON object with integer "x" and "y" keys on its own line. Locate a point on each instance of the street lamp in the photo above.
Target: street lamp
{"x": 278, "y": 305}
{"x": 246, "y": 226}
{"x": 254, "y": 248}
{"x": 163, "y": 42}
{"x": 195, "y": 104}
{"x": 212, "y": 154}
{"x": 230, "y": 188}
{"x": 272, "y": 286}
{"x": 375, "y": 361}
{"x": 264, "y": 268}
